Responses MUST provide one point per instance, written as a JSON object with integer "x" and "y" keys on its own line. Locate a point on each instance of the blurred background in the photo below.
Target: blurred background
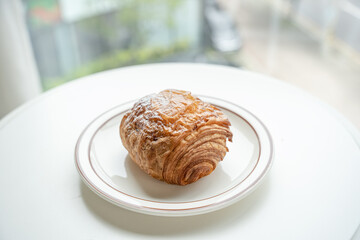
{"x": 312, "y": 44}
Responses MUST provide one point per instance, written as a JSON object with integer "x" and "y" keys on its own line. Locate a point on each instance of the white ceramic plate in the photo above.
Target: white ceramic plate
{"x": 107, "y": 169}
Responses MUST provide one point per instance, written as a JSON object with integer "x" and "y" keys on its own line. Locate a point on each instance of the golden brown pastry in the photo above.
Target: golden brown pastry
{"x": 175, "y": 137}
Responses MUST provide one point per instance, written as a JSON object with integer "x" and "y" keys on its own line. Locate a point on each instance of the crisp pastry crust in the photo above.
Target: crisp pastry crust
{"x": 175, "y": 137}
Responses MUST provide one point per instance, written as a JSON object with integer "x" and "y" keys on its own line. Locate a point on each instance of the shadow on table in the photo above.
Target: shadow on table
{"x": 162, "y": 226}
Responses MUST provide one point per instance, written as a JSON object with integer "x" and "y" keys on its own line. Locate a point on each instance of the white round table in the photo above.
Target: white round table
{"x": 311, "y": 192}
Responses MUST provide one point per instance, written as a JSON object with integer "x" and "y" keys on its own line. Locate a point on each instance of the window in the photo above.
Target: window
{"x": 72, "y": 39}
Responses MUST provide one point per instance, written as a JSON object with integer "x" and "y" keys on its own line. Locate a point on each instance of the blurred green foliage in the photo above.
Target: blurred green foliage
{"x": 117, "y": 59}
{"x": 131, "y": 21}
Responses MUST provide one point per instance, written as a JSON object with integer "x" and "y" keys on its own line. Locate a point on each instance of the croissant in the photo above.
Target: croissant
{"x": 175, "y": 137}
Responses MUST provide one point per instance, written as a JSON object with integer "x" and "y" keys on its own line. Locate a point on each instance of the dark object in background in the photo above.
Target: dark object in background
{"x": 224, "y": 36}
